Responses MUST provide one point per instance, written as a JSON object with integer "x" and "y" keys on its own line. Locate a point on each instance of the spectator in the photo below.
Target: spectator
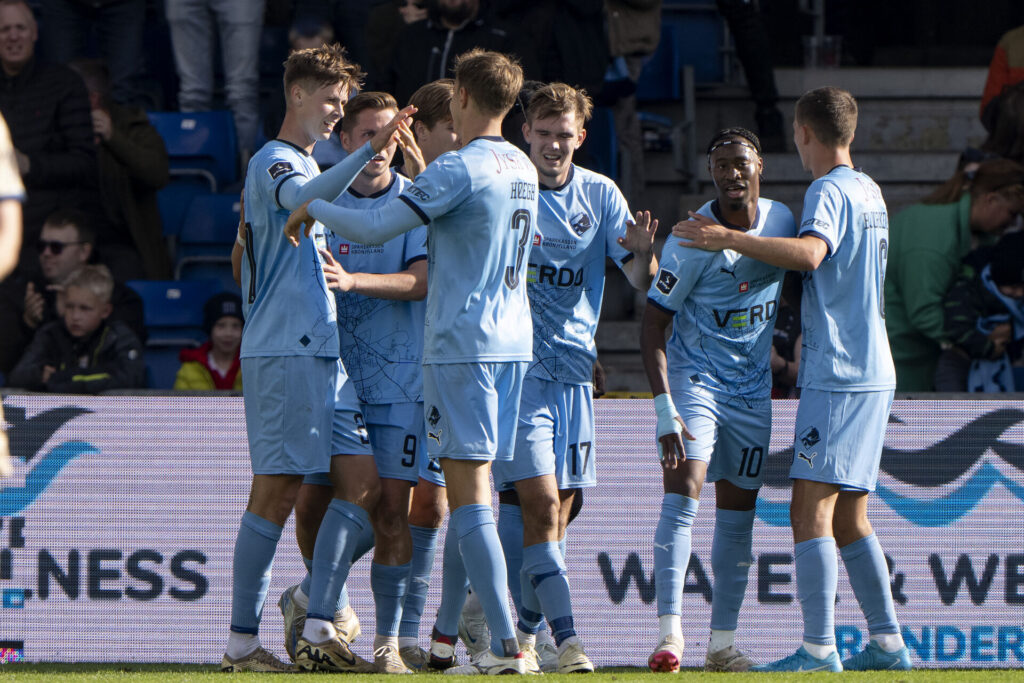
{"x": 426, "y": 50}
{"x": 927, "y": 242}
{"x": 115, "y": 26}
{"x": 28, "y": 303}
{"x": 383, "y": 26}
{"x": 347, "y": 19}
{"x": 47, "y": 111}
{"x": 132, "y": 167}
{"x": 1004, "y": 121}
{"x": 985, "y": 321}
{"x": 11, "y": 195}
{"x": 239, "y": 24}
{"x": 215, "y": 364}
{"x": 634, "y": 28}
{"x": 85, "y": 353}
{"x": 1005, "y": 69}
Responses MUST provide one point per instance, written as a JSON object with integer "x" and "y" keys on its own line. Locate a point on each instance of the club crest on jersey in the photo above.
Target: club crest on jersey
{"x": 810, "y": 437}
{"x": 343, "y": 249}
{"x": 434, "y": 416}
{"x": 744, "y": 286}
{"x": 666, "y": 281}
{"x": 580, "y": 223}
{"x": 279, "y": 168}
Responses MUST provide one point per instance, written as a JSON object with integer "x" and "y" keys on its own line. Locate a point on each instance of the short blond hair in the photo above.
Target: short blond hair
{"x": 93, "y": 279}
{"x": 317, "y": 67}
{"x": 491, "y": 79}
{"x": 556, "y": 99}
{"x": 368, "y": 100}
{"x": 433, "y": 102}
{"x": 830, "y": 113}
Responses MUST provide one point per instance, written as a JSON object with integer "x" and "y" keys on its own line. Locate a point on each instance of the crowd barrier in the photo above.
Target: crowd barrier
{"x": 116, "y": 536}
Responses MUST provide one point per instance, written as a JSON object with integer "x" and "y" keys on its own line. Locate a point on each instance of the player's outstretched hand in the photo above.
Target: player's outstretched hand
{"x": 702, "y": 233}
{"x": 337, "y": 277}
{"x": 385, "y": 135}
{"x": 639, "y": 238}
{"x": 414, "y": 162}
{"x": 299, "y": 219}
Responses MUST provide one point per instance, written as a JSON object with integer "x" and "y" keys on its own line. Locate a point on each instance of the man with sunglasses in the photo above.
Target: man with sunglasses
{"x": 65, "y": 244}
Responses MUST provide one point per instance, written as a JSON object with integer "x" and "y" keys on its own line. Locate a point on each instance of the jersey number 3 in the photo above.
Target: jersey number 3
{"x": 521, "y": 220}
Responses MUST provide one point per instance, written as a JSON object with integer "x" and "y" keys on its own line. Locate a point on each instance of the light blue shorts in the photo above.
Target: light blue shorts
{"x": 289, "y": 404}
{"x": 731, "y": 434}
{"x": 555, "y": 436}
{"x": 430, "y": 470}
{"x": 397, "y": 437}
{"x": 348, "y": 428}
{"x": 839, "y": 437}
{"x": 472, "y": 408}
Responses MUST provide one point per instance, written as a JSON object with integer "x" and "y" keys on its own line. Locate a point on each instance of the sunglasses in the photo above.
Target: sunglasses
{"x": 54, "y": 246}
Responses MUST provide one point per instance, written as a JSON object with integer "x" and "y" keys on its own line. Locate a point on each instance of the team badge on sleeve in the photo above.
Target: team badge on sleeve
{"x": 666, "y": 281}
{"x": 279, "y": 168}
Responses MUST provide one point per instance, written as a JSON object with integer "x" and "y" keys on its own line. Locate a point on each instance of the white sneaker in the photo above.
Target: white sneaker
{"x": 547, "y": 654}
{"x": 727, "y": 659}
{"x": 473, "y": 627}
{"x": 294, "y": 620}
{"x": 667, "y": 656}
{"x": 489, "y": 664}
{"x": 388, "y": 661}
{"x": 346, "y": 623}
{"x": 532, "y": 660}
{"x": 572, "y": 659}
{"x": 441, "y": 654}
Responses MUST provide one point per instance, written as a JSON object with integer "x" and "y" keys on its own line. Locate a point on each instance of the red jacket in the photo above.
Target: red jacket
{"x": 200, "y": 357}
{"x": 1007, "y": 65}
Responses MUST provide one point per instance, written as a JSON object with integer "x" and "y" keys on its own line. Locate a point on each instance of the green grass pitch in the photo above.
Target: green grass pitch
{"x": 154, "y": 673}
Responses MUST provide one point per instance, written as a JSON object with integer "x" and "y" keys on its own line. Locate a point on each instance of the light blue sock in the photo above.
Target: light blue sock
{"x": 424, "y": 546}
{"x": 510, "y": 531}
{"x": 672, "y": 544}
{"x": 730, "y": 563}
{"x": 485, "y": 566}
{"x": 250, "y": 571}
{"x": 307, "y": 562}
{"x": 869, "y": 578}
{"x": 454, "y": 584}
{"x": 531, "y": 614}
{"x": 817, "y": 575}
{"x": 389, "y": 585}
{"x": 332, "y": 556}
{"x": 546, "y": 568}
{"x": 364, "y": 544}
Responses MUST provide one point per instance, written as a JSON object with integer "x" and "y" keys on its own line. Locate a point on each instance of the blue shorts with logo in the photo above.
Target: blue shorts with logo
{"x": 731, "y": 433}
{"x": 348, "y": 426}
{"x": 555, "y": 436}
{"x": 289, "y": 405}
{"x": 839, "y": 437}
{"x": 397, "y": 436}
{"x": 472, "y": 409}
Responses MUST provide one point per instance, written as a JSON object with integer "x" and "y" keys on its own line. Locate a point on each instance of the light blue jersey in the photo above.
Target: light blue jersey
{"x": 577, "y": 228}
{"x": 845, "y": 346}
{"x": 381, "y": 339}
{"x": 288, "y": 310}
{"x": 724, "y": 306}
{"x": 480, "y": 203}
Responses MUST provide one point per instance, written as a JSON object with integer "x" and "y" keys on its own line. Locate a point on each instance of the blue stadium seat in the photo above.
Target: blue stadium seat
{"x": 202, "y": 143}
{"x": 691, "y": 33}
{"x": 174, "y": 309}
{"x": 208, "y": 231}
{"x": 162, "y": 365}
{"x": 174, "y": 200}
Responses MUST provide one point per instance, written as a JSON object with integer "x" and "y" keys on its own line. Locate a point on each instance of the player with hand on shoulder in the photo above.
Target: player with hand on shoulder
{"x": 289, "y": 357}
{"x": 479, "y": 204}
{"x": 712, "y": 392}
{"x": 847, "y": 378}
{"x": 583, "y": 219}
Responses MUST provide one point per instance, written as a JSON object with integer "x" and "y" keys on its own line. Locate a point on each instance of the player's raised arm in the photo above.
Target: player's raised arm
{"x": 376, "y": 226}
{"x": 297, "y": 191}
{"x": 792, "y": 253}
{"x": 407, "y": 285}
{"x": 639, "y": 241}
{"x": 671, "y": 429}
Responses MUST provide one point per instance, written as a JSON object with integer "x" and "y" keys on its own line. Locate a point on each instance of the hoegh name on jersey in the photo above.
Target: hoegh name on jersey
{"x": 523, "y": 190}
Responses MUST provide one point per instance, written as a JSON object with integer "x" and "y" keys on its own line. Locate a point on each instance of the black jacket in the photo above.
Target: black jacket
{"x": 109, "y": 358}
